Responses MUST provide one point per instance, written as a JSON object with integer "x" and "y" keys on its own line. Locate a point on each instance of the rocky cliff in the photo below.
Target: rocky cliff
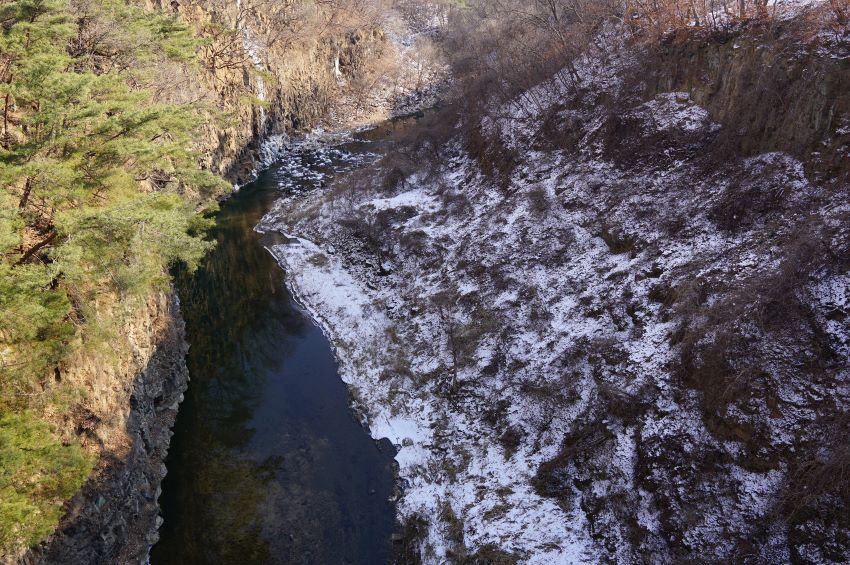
{"x": 126, "y": 416}
{"x": 256, "y": 77}
{"x": 784, "y": 86}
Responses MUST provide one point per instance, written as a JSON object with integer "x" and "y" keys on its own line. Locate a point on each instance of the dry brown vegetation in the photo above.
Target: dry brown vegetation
{"x": 738, "y": 343}
{"x": 742, "y": 339}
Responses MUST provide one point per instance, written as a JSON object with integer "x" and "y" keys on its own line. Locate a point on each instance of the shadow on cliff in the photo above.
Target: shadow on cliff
{"x": 114, "y": 516}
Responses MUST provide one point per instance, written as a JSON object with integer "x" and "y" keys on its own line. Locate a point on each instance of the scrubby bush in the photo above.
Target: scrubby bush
{"x": 841, "y": 10}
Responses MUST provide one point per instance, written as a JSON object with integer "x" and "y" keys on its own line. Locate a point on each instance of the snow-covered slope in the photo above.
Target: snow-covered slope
{"x": 632, "y": 346}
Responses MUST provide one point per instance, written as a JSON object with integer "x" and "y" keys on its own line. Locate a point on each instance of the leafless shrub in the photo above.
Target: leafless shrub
{"x": 414, "y": 242}
{"x": 511, "y": 439}
{"x": 494, "y": 156}
{"x": 454, "y": 532}
{"x": 620, "y": 404}
{"x": 826, "y": 472}
{"x": 454, "y": 202}
{"x": 554, "y": 478}
{"x": 373, "y": 230}
{"x": 394, "y": 180}
{"x": 489, "y": 554}
{"x": 618, "y": 240}
{"x": 728, "y": 350}
{"x": 495, "y": 413}
{"x": 841, "y": 10}
{"x": 318, "y": 260}
{"x": 562, "y": 128}
{"x": 816, "y": 492}
{"x": 539, "y": 202}
{"x": 407, "y": 544}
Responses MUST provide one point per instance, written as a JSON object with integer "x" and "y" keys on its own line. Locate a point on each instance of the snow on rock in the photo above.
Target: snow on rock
{"x": 542, "y": 348}
{"x": 358, "y": 328}
{"x": 673, "y": 110}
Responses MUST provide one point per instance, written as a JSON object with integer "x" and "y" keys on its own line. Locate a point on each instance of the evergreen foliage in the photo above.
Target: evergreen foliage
{"x": 94, "y": 170}
{"x": 37, "y": 474}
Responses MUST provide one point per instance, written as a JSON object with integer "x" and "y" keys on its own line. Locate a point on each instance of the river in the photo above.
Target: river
{"x": 268, "y": 463}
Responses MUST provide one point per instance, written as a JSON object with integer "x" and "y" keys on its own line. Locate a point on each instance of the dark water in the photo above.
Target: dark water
{"x": 267, "y": 464}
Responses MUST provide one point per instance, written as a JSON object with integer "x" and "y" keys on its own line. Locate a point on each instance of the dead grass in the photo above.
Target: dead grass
{"x": 407, "y": 542}
{"x": 815, "y": 500}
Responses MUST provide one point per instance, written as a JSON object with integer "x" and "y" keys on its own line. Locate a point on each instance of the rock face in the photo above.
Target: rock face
{"x": 132, "y": 392}
{"x": 796, "y": 102}
{"x": 127, "y": 414}
{"x": 270, "y": 79}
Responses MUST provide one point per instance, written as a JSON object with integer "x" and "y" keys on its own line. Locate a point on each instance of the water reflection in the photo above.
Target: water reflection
{"x": 267, "y": 465}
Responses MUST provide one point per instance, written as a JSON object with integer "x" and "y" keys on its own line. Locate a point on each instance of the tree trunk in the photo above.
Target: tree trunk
{"x": 6, "y": 115}
{"x": 36, "y": 248}
{"x": 26, "y": 195}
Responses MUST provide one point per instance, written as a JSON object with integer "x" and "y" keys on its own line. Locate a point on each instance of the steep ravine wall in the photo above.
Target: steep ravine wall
{"x": 569, "y": 377}
{"x": 132, "y": 393}
{"x": 772, "y": 87}
{"x": 130, "y": 406}
{"x": 280, "y": 82}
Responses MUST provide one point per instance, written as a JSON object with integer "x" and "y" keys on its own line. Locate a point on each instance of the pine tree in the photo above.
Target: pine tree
{"x": 95, "y": 170}
{"x": 37, "y": 474}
